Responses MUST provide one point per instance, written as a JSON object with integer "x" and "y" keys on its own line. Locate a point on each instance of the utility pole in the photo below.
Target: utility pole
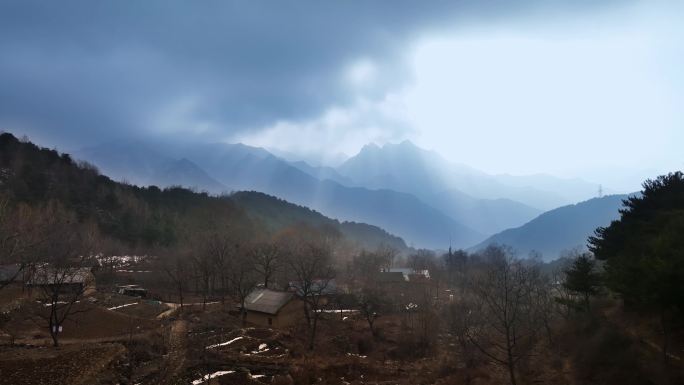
{"x": 600, "y": 191}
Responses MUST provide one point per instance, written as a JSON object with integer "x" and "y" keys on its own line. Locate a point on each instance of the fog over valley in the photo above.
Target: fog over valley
{"x": 339, "y": 192}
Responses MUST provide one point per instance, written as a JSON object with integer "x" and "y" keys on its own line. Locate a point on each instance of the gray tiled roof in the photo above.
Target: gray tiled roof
{"x": 267, "y": 300}
{"x": 318, "y": 287}
{"x": 51, "y": 276}
{"x": 9, "y": 272}
{"x": 393, "y": 276}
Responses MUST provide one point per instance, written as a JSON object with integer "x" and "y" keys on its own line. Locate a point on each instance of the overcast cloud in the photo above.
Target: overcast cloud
{"x": 74, "y": 73}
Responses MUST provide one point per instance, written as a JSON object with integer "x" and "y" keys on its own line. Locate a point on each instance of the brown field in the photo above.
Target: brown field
{"x": 156, "y": 343}
{"x": 76, "y": 364}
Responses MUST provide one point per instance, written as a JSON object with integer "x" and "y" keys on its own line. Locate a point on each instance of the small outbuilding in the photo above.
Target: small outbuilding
{"x": 12, "y": 273}
{"x": 273, "y": 308}
{"x": 131, "y": 290}
{"x": 72, "y": 280}
{"x": 324, "y": 289}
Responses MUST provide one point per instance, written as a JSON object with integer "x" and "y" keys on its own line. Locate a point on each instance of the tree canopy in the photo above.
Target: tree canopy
{"x": 644, "y": 249}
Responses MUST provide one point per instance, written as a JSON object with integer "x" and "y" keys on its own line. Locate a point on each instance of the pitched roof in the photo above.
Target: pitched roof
{"x": 318, "y": 287}
{"x": 391, "y": 276}
{"x": 9, "y": 272}
{"x": 267, "y": 300}
{"x": 408, "y": 272}
{"x": 51, "y": 276}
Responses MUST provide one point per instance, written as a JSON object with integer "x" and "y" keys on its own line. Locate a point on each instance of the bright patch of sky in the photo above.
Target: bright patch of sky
{"x": 597, "y": 97}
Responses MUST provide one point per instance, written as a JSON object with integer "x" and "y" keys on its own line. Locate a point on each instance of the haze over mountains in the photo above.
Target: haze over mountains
{"x": 561, "y": 229}
{"x": 141, "y": 217}
{"x": 408, "y": 191}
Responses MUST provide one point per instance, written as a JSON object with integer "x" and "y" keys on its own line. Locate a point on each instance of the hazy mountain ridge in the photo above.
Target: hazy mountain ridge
{"x": 141, "y": 164}
{"x": 408, "y": 168}
{"x": 242, "y": 167}
{"x": 323, "y": 173}
{"x": 485, "y": 215}
{"x": 560, "y": 229}
{"x": 277, "y": 214}
{"x": 402, "y": 188}
{"x": 147, "y": 216}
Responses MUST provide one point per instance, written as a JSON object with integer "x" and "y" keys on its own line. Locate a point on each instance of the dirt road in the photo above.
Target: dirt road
{"x": 175, "y": 360}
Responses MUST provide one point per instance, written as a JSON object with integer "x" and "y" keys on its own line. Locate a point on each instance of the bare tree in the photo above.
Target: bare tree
{"x": 388, "y": 254}
{"x": 177, "y": 270}
{"x": 8, "y": 234}
{"x": 460, "y": 321}
{"x": 204, "y": 268}
{"x": 267, "y": 258}
{"x": 371, "y": 302}
{"x": 63, "y": 274}
{"x": 242, "y": 278}
{"x": 23, "y": 231}
{"x": 421, "y": 260}
{"x": 9, "y": 240}
{"x": 220, "y": 247}
{"x": 506, "y": 319}
{"x": 543, "y": 303}
{"x": 310, "y": 263}
{"x": 365, "y": 267}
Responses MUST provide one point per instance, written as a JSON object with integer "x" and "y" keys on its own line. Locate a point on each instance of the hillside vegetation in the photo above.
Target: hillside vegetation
{"x": 559, "y": 230}
{"x": 143, "y": 217}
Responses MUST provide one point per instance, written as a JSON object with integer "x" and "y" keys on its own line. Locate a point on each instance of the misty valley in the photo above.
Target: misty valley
{"x": 167, "y": 284}
{"x": 341, "y": 192}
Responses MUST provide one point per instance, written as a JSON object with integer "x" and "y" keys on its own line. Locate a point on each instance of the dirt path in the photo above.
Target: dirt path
{"x": 173, "y": 307}
{"x": 96, "y": 365}
{"x": 177, "y": 350}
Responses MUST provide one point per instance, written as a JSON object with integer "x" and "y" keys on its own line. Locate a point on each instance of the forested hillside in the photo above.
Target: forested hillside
{"x": 276, "y": 214}
{"x": 143, "y": 217}
{"x": 239, "y": 167}
{"x": 559, "y": 230}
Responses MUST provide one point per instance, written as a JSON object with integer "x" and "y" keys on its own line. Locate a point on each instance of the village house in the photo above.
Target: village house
{"x": 73, "y": 280}
{"x": 131, "y": 290}
{"x": 406, "y": 285}
{"x": 408, "y": 273}
{"x": 324, "y": 289}
{"x": 13, "y": 272}
{"x": 273, "y": 308}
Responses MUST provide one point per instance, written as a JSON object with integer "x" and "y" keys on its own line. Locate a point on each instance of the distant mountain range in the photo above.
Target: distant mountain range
{"x": 149, "y": 217}
{"x": 561, "y": 229}
{"x": 401, "y": 188}
{"x": 144, "y": 165}
{"x": 408, "y": 168}
{"x": 247, "y": 168}
{"x": 277, "y": 214}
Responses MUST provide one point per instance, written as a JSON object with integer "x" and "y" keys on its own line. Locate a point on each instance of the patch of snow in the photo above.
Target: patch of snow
{"x": 356, "y": 355}
{"x": 120, "y": 306}
{"x": 212, "y": 376}
{"x": 262, "y": 349}
{"x": 200, "y": 303}
{"x": 134, "y": 271}
{"x": 337, "y": 311}
{"x": 224, "y": 343}
{"x": 58, "y": 303}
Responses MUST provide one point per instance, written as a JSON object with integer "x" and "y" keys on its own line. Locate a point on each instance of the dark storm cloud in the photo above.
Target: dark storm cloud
{"x": 83, "y": 71}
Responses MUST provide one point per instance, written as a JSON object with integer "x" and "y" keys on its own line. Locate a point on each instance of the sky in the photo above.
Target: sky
{"x": 574, "y": 88}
